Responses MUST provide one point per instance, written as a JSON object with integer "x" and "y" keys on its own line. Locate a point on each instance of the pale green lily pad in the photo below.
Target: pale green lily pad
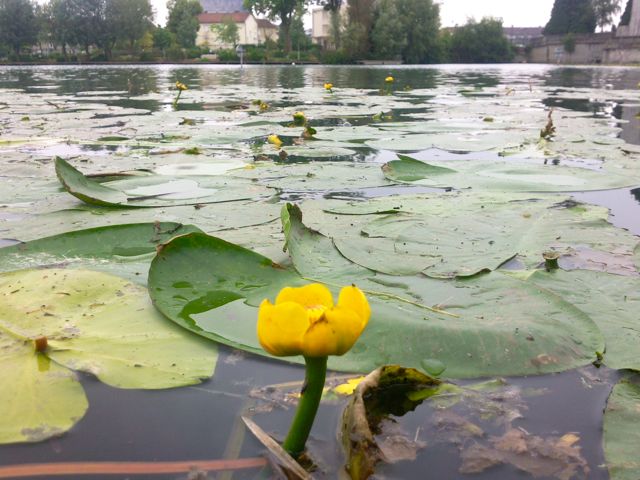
{"x": 454, "y": 142}
{"x": 477, "y": 327}
{"x": 95, "y": 323}
{"x": 461, "y": 234}
{"x": 155, "y": 191}
{"x": 39, "y": 398}
{"x": 621, "y": 434}
{"x": 314, "y": 255}
{"x": 612, "y": 301}
{"x": 316, "y": 176}
{"x": 504, "y": 176}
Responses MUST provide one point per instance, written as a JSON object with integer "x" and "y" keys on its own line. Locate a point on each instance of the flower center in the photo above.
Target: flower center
{"x": 315, "y": 313}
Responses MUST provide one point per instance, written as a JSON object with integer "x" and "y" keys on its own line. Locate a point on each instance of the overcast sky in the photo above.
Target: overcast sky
{"x": 517, "y": 13}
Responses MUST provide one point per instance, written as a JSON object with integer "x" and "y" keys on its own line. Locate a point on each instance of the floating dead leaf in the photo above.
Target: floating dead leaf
{"x": 366, "y": 436}
{"x": 556, "y": 457}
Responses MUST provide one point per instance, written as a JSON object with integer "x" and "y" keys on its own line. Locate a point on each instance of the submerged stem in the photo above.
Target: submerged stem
{"x": 315, "y": 373}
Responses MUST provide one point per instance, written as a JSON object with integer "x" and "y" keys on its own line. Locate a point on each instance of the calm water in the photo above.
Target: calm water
{"x": 198, "y": 422}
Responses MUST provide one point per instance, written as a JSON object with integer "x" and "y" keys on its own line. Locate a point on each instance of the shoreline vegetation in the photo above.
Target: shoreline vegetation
{"x": 362, "y": 31}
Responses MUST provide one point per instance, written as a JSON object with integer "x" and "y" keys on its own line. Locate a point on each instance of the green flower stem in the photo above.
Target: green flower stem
{"x": 175, "y": 102}
{"x": 315, "y": 373}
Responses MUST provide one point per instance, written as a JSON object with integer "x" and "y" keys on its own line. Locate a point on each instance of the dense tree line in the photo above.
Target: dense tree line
{"x": 409, "y": 30}
{"x": 406, "y": 30}
{"x": 95, "y": 25}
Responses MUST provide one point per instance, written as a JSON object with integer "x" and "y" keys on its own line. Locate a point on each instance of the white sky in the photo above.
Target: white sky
{"x": 514, "y": 13}
{"x": 517, "y": 13}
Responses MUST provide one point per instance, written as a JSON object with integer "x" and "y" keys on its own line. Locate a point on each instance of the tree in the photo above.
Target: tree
{"x": 626, "y": 15}
{"x": 163, "y": 39}
{"x": 18, "y": 25}
{"x": 388, "y": 36}
{"x": 357, "y": 36}
{"x": 480, "y": 42}
{"x": 62, "y": 24}
{"x": 183, "y": 21}
{"x": 422, "y": 24}
{"x": 130, "y": 19}
{"x": 283, "y": 10}
{"x": 227, "y": 31}
{"x": 413, "y": 37}
{"x": 571, "y": 16}
{"x": 299, "y": 38}
{"x": 604, "y": 11}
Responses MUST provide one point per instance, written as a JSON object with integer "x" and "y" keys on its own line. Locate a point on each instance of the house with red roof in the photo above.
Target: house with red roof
{"x": 217, "y": 13}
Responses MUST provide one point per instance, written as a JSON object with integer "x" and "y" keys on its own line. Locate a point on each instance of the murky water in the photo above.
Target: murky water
{"x": 201, "y": 422}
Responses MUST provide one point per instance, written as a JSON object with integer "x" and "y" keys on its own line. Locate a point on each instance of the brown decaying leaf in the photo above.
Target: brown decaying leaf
{"x": 557, "y": 457}
{"x": 365, "y": 432}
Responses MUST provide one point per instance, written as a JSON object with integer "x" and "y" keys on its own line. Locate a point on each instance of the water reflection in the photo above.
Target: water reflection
{"x": 630, "y": 123}
{"x": 140, "y": 80}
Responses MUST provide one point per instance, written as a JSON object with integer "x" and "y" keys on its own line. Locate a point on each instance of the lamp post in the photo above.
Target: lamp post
{"x": 240, "y": 52}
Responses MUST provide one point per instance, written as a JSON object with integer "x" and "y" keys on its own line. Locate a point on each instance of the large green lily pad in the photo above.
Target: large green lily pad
{"x": 489, "y": 325}
{"x": 461, "y": 234}
{"x": 92, "y": 322}
{"x": 621, "y": 434}
{"x": 119, "y": 248}
{"x": 156, "y": 191}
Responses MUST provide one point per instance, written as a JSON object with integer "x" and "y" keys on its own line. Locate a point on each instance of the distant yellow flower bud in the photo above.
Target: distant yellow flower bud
{"x": 274, "y": 140}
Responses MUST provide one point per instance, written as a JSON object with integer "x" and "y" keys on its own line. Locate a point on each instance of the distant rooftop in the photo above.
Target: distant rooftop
{"x": 236, "y": 17}
{"x": 522, "y": 31}
{"x": 222, "y": 6}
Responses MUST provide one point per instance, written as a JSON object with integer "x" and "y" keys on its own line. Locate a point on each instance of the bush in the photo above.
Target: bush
{"x": 194, "y": 52}
{"x": 228, "y": 55}
{"x": 569, "y": 43}
{"x": 255, "y": 54}
{"x": 147, "y": 56}
{"x": 175, "y": 53}
{"x": 336, "y": 57}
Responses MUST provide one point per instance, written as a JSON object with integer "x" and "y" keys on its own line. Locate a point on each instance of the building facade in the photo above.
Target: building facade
{"x": 217, "y": 13}
{"x": 321, "y": 28}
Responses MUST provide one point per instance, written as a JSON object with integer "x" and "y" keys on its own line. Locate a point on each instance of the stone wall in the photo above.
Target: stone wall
{"x": 589, "y": 49}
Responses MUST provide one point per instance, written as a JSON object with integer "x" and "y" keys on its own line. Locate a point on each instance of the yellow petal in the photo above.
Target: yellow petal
{"x": 281, "y": 327}
{"x": 352, "y": 298}
{"x": 334, "y": 334}
{"x": 349, "y": 387}
{"x": 311, "y": 295}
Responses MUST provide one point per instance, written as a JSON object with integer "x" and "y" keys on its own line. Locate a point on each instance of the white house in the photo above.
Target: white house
{"x": 251, "y": 30}
{"x": 321, "y": 25}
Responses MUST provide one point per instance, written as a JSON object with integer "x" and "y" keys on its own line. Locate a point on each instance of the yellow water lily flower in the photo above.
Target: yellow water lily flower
{"x": 389, "y": 79}
{"x": 299, "y": 120}
{"x": 181, "y": 86}
{"x": 305, "y": 321}
{"x": 328, "y": 86}
{"x": 274, "y": 140}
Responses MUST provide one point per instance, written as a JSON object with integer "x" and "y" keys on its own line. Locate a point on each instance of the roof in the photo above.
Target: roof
{"x": 222, "y": 6}
{"x": 237, "y": 17}
{"x": 522, "y": 31}
{"x": 264, "y": 23}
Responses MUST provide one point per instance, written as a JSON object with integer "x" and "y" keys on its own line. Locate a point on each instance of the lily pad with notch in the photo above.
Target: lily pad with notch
{"x": 54, "y": 321}
{"x": 156, "y": 191}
